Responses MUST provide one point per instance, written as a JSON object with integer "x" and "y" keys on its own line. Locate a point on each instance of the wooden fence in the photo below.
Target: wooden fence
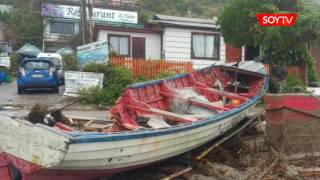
{"x": 151, "y": 68}
{"x": 296, "y": 71}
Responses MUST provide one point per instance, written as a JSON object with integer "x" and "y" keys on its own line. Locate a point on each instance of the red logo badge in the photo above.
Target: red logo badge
{"x": 277, "y": 19}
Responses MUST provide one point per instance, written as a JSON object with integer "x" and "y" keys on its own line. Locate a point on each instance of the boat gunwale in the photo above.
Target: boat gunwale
{"x": 91, "y": 137}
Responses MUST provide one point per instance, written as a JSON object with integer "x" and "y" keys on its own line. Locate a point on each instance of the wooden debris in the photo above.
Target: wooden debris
{"x": 177, "y": 174}
{"x": 309, "y": 172}
{"x": 217, "y": 144}
{"x": 292, "y": 173}
{"x": 269, "y": 168}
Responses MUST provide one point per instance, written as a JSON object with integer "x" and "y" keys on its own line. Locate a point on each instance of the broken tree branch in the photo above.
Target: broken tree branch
{"x": 293, "y": 173}
{"x": 177, "y": 174}
{"x": 269, "y": 168}
{"x": 221, "y": 141}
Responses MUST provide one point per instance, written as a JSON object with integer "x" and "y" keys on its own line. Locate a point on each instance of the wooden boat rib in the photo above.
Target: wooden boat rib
{"x": 148, "y": 128}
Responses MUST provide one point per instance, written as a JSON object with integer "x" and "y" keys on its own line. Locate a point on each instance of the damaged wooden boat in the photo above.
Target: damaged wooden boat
{"x": 152, "y": 121}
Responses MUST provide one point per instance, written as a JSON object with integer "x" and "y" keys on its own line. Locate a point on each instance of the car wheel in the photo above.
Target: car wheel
{"x": 20, "y": 90}
{"x": 56, "y": 90}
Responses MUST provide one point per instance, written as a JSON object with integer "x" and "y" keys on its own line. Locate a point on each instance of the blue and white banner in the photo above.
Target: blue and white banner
{"x": 97, "y": 52}
{"x": 75, "y": 81}
{"x": 98, "y": 14}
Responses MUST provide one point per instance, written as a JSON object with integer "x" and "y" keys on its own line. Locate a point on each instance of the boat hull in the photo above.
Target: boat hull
{"x": 91, "y": 160}
{"x": 89, "y": 155}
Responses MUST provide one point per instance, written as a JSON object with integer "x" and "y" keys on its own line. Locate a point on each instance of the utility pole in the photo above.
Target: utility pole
{"x": 90, "y": 7}
{"x": 83, "y": 13}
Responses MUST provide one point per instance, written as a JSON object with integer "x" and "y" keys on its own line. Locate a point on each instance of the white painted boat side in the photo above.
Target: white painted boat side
{"x": 133, "y": 152}
{"x": 33, "y": 143}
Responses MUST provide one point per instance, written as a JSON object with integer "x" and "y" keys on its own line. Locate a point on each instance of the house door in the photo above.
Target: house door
{"x": 138, "y": 47}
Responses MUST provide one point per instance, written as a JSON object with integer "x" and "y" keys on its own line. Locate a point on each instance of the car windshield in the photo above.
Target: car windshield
{"x": 38, "y": 65}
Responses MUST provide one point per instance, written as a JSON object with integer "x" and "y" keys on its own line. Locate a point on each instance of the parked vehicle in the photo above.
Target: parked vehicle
{"x": 57, "y": 60}
{"x": 152, "y": 121}
{"x": 37, "y": 73}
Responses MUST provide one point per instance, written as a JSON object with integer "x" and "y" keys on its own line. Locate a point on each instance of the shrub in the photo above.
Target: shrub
{"x": 97, "y": 96}
{"x": 70, "y": 62}
{"x": 4, "y": 69}
{"x": 16, "y": 60}
{"x": 115, "y": 81}
{"x": 292, "y": 85}
{"x": 312, "y": 72}
{"x": 141, "y": 79}
{"x": 164, "y": 74}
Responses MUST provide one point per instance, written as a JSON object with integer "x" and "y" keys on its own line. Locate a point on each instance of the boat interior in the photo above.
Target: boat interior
{"x": 185, "y": 98}
{"x": 176, "y": 100}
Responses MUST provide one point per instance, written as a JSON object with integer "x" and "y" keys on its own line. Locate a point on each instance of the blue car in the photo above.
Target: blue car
{"x": 37, "y": 73}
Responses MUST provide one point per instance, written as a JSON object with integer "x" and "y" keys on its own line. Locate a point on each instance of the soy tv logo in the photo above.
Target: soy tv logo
{"x": 277, "y": 19}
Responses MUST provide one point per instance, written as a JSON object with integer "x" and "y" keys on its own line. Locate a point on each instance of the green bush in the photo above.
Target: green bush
{"x": 164, "y": 74}
{"x": 141, "y": 79}
{"x": 312, "y": 72}
{"x": 115, "y": 81}
{"x": 97, "y": 96}
{"x": 16, "y": 60}
{"x": 70, "y": 62}
{"x": 292, "y": 85}
{"x": 4, "y": 69}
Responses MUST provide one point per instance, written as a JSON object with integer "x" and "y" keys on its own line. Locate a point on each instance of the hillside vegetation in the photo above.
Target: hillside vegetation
{"x": 186, "y": 8}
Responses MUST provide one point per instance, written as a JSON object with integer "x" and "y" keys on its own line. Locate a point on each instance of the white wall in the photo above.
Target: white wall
{"x": 177, "y": 46}
{"x": 48, "y": 36}
{"x": 153, "y": 41}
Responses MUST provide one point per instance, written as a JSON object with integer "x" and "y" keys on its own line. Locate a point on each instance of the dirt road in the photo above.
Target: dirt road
{"x": 9, "y": 96}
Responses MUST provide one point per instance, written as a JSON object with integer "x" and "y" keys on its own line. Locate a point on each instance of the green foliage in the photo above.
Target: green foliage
{"x": 164, "y": 74}
{"x": 141, "y": 79}
{"x": 115, "y": 82}
{"x": 70, "y": 62}
{"x": 4, "y": 69}
{"x": 239, "y": 23}
{"x": 97, "y": 96}
{"x": 26, "y": 27}
{"x": 312, "y": 71}
{"x": 280, "y": 45}
{"x": 16, "y": 60}
{"x": 185, "y": 8}
{"x": 292, "y": 85}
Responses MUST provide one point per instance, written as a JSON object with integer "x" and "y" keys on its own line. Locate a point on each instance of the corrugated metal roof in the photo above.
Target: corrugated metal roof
{"x": 184, "y": 21}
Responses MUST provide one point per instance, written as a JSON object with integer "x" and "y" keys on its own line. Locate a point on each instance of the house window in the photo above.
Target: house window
{"x": 120, "y": 44}
{"x": 205, "y": 46}
{"x": 62, "y": 27}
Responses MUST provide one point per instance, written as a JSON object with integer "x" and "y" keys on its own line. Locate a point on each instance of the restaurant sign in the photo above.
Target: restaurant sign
{"x": 98, "y": 14}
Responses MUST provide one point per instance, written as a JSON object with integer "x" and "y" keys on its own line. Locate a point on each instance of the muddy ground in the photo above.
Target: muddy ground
{"x": 10, "y": 98}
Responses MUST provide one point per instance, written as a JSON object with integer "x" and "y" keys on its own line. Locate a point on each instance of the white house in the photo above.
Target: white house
{"x": 135, "y": 41}
{"x": 171, "y": 38}
{"x": 197, "y": 40}
{"x": 163, "y": 37}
